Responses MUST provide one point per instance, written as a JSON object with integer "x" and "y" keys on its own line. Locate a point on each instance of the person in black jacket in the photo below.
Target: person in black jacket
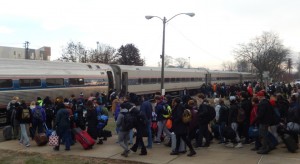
{"x": 91, "y": 117}
{"x": 180, "y": 128}
{"x": 62, "y": 125}
{"x": 246, "y": 105}
{"x": 24, "y": 116}
{"x": 265, "y": 117}
{"x": 203, "y": 120}
{"x": 233, "y": 123}
{"x": 223, "y": 119}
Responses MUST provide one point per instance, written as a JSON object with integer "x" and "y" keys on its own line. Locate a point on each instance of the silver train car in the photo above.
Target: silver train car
{"x": 29, "y": 79}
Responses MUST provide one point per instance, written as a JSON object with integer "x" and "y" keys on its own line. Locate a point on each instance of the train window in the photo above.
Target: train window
{"x": 139, "y": 81}
{"x": 173, "y": 80}
{"x": 30, "y": 83}
{"x": 146, "y": 81}
{"x": 76, "y": 81}
{"x": 192, "y": 79}
{"x": 134, "y": 81}
{"x": 6, "y": 83}
{"x": 95, "y": 82}
{"x": 177, "y": 79}
{"x": 158, "y": 80}
{"x": 167, "y": 80}
{"x": 55, "y": 82}
{"x": 153, "y": 80}
{"x": 182, "y": 79}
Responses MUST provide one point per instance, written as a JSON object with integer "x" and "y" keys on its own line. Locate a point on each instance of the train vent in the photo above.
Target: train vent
{"x": 97, "y": 66}
{"x": 90, "y": 67}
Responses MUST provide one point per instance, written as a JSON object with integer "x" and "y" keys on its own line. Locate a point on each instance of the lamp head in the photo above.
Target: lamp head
{"x": 148, "y": 17}
{"x": 190, "y": 14}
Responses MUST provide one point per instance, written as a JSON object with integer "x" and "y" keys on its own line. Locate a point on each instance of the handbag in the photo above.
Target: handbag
{"x": 293, "y": 126}
{"x": 53, "y": 139}
{"x": 169, "y": 123}
{"x": 253, "y": 132}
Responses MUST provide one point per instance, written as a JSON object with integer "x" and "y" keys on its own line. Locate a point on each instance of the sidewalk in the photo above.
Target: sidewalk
{"x": 159, "y": 154}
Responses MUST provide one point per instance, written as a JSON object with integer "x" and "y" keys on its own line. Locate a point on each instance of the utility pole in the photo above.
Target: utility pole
{"x": 26, "y": 44}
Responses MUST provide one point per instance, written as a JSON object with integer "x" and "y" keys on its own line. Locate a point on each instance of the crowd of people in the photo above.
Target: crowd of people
{"x": 216, "y": 111}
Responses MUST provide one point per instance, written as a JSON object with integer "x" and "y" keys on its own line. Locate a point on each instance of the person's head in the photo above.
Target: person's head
{"x": 261, "y": 94}
{"x": 191, "y": 103}
{"x": 244, "y": 95}
{"x": 158, "y": 98}
{"x": 255, "y": 100}
{"x": 32, "y": 105}
{"x": 217, "y": 101}
{"x": 176, "y": 101}
{"x": 90, "y": 104}
{"x": 232, "y": 99}
{"x": 66, "y": 102}
{"x": 221, "y": 101}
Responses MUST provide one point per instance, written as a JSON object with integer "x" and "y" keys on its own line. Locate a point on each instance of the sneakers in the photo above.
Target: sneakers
{"x": 174, "y": 153}
{"x": 157, "y": 142}
{"x": 229, "y": 145}
{"x": 191, "y": 153}
{"x": 125, "y": 153}
{"x": 27, "y": 145}
{"x": 239, "y": 145}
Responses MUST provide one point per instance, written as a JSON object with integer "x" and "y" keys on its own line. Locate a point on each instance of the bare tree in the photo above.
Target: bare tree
{"x": 229, "y": 66}
{"x": 181, "y": 62}
{"x": 168, "y": 61}
{"x": 73, "y": 52}
{"x": 266, "y": 53}
{"x": 103, "y": 54}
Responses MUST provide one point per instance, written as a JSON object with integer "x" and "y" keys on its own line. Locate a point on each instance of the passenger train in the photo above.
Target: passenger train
{"x": 29, "y": 79}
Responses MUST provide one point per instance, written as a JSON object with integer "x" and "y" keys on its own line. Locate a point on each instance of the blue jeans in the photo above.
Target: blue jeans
{"x": 221, "y": 129}
{"x": 24, "y": 137}
{"x": 66, "y": 137}
{"x": 149, "y": 132}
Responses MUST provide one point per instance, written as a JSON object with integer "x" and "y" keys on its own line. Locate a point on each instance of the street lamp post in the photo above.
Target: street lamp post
{"x": 164, "y": 20}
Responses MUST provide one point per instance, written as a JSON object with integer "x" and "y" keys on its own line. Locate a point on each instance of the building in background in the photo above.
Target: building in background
{"x": 43, "y": 53}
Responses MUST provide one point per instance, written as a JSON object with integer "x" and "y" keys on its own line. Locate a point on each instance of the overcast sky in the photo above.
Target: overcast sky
{"x": 208, "y": 38}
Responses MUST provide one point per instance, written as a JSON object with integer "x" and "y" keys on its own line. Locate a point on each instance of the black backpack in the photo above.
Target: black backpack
{"x": 129, "y": 120}
{"x": 211, "y": 112}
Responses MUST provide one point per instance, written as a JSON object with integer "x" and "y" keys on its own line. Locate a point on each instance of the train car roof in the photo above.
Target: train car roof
{"x": 146, "y": 68}
{"x": 41, "y": 64}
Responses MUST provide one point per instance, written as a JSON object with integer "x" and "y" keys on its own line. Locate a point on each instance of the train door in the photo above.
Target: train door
{"x": 124, "y": 88}
{"x": 207, "y": 78}
{"x": 110, "y": 80}
{"x": 115, "y": 79}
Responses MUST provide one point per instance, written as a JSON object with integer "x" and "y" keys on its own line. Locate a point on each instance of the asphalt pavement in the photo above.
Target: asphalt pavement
{"x": 160, "y": 154}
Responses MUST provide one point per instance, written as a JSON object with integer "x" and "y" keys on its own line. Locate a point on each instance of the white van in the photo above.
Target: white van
{"x": 297, "y": 81}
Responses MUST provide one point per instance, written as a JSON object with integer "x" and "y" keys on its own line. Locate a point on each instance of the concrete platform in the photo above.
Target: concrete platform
{"x": 159, "y": 154}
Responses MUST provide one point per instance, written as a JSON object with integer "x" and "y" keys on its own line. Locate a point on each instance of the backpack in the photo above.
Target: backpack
{"x": 211, "y": 112}
{"x": 142, "y": 119}
{"x": 37, "y": 114}
{"x": 167, "y": 111}
{"x": 241, "y": 116}
{"x": 129, "y": 120}
{"x": 186, "y": 116}
{"x": 49, "y": 112}
{"x": 25, "y": 114}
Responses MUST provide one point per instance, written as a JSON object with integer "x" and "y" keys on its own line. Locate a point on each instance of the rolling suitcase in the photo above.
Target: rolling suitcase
{"x": 182, "y": 147}
{"x": 41, "y": 139}
{"x": 83, "y": 138}
{"x": 7, "y": 132}
{"x": 290, "y": 143}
